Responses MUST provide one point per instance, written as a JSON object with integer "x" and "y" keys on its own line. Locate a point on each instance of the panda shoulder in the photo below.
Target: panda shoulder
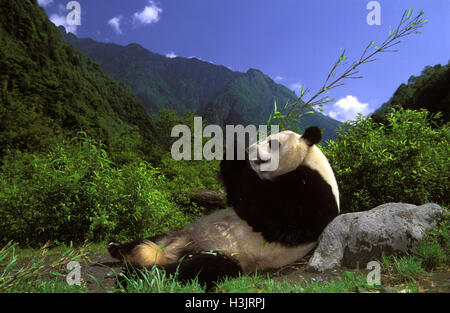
{"x": 317, "y": 161}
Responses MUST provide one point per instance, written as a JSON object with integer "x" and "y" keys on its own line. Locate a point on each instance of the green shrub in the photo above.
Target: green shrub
{"x": 183, "y": 176}
{"x": 191, "y": 175}
{"x": 434, "y": 248}
{"x": 405, "y": 161}
{"x": 432, "y": 255}
{"x": 75, "y": 192}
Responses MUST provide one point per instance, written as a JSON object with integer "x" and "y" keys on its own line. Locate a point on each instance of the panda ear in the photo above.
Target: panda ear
{"x": 312, "y": 135}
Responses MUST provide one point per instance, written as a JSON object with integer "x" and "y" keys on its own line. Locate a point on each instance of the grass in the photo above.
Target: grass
{"x": 434, "y": 249}
{"x": 43, "y": 271}
{"x": 154, "y": 280}
{"x": 259, "y": 283}
{"x": 433, "y": 256}
{"x": 46, "y": 286}
{"x": 404, "y": 268}
{"x": 37, "y": 271}
{"x": 256, "y": 283}
{"x": 349, "y": 282}
{"x": 40, "y": 271}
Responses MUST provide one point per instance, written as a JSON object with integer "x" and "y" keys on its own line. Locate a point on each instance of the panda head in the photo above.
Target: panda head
{"x": 283, "y": 152}
{"x": 290, "y": 150}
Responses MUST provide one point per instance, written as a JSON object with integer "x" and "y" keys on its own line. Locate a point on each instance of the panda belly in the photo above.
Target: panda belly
{"x": 215, "y": 246}
{"x": 224, "y": 232}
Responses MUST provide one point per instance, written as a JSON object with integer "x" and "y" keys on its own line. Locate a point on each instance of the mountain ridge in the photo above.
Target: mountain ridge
{"x": 220, "y": 95}
{"x": 138, "y": 68}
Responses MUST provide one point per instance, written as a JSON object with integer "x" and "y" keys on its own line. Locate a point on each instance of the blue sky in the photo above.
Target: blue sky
{"x": 293, "y": 41}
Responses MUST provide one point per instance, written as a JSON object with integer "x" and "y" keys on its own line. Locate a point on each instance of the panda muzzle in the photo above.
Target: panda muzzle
{"x": 259, "y": 161}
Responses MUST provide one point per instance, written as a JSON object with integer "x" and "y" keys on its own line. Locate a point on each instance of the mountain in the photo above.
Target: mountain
{"x": 179, "y": 83}
{"x": 220, "y": 95}
{"x": 430, "y": 90}
{"x": 249, "y": 99}
{"x": 49, "y": 89}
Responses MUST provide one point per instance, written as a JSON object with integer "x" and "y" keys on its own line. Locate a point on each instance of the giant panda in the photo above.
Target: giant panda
{"x": 274, "y": 217}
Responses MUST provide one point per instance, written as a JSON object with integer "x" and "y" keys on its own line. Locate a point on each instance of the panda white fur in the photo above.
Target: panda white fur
{"x": 275, "y": 216}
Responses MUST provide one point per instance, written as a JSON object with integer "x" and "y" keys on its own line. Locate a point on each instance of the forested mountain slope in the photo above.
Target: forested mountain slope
{"x": 220, "y": 95}
{"x": 430, "y": 90}
{"x": 49, "y": 89}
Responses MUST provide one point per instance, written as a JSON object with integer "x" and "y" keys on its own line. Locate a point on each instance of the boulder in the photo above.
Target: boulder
{"x": 354, "y": 239}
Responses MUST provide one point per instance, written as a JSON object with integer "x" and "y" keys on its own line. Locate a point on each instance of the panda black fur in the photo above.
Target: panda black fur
{"x": 275, "y": 217}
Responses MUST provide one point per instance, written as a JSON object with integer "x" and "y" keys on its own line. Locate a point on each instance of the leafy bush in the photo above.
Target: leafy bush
{"x": 191, "y": 175}
{"x": 434, "y": 248}
{"x": 182, "y": 176}
{"x": 406, "y": 160}
{"x": 75, "y": 192}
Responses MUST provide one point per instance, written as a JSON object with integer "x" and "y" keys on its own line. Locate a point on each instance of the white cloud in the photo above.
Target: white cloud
{"x": 296, "y": 87}
{"x": 347, "y": 108}
{"x": 44, "y": 3}
{"x": 200, "y": 59}
{"x": 150, "y": 14}
{"x": 61, "y": 20}
{"x": 171, "y": 55}
{"x": 115, "y": 24}
{"x": 279, "y": 78}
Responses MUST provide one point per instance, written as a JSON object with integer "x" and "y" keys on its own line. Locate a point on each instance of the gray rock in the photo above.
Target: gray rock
{"x": 358, "y": 238}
